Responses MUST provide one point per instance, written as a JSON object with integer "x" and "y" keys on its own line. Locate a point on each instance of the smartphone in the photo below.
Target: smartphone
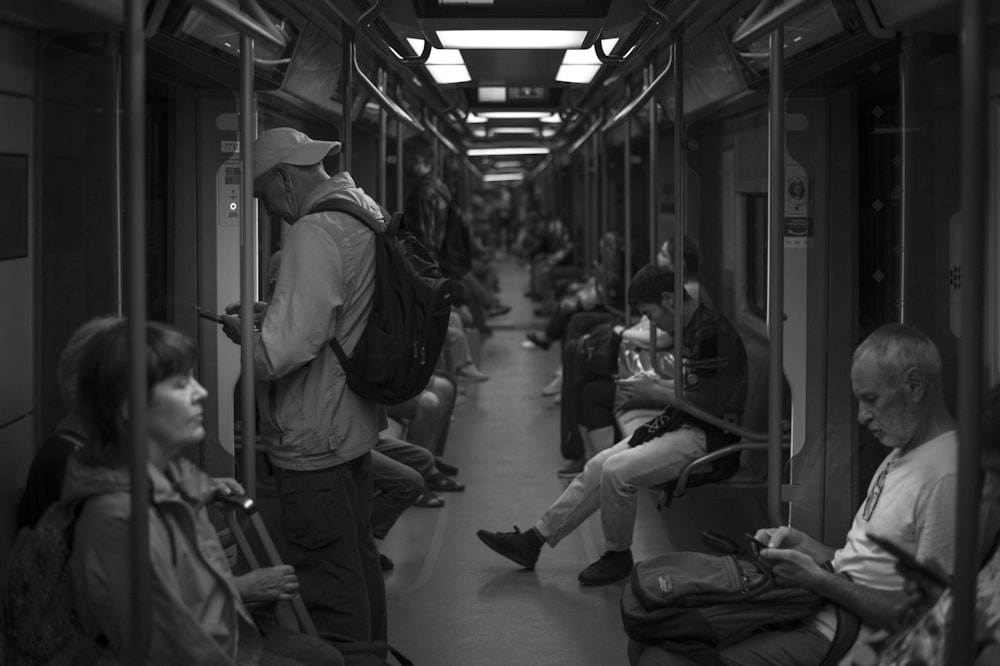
{"x": 910, "y": 562}
{"x": 755, "y": 548}
{"x": 211, "y": 316}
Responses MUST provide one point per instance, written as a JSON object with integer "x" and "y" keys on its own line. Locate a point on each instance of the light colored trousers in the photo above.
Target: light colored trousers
{"x": 609, "y": 482}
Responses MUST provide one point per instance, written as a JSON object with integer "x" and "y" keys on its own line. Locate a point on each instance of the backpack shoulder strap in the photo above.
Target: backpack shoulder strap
{"x": 339, "y": 205}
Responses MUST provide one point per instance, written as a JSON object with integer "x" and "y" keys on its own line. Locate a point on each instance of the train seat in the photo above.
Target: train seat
{"x": 752, "y": 472}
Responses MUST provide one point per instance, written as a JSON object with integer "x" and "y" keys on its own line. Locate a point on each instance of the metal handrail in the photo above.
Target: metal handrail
{"x": 399, "y": 112}
{"x": 245, "y": 24}
{"x": 248, "y": 406}
{"x": 439, "y": 134}
{"x": 643, "y": 96}
{"x": 974, "y": 204}
{"x": 134, "y": 56}
{"x": 765, "y": 18}
{"x": 582, "y": 139}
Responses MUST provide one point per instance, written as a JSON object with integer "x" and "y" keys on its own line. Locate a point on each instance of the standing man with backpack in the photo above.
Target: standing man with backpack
{"x": 318, "y": 431}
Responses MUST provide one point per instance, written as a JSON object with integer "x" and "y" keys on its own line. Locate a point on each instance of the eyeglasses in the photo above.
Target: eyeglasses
{"x": 875, "y": 493}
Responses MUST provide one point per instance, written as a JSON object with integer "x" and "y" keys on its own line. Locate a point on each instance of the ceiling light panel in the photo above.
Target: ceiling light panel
{"x": 512, "y": 150}
{"x": 577, "y": 73}
{"x": 502, "y": 177}
{"x": 513, "y": 115}
{"x": 445, "y": 74}
{"x": 491, "y": 94}
{"x": 512, "y": 39}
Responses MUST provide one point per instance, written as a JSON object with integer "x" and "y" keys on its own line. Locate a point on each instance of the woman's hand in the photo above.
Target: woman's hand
{"x": 268, "y": 584}
{"x": 227, "y": 486}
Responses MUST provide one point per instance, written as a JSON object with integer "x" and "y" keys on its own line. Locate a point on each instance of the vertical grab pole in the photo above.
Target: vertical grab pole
{"x": 680, "y": 211}
{"x": 648, "y": 76}
{"x": 383, "y": 144}
{"x": 135, "y": 230}
{"x": 775, "y": 251}
{"x": 961, "y": 645}
{"x": 627, "y": 190}
{"x": 399, "y": 165}
{"x": 248, "y": 237}
{"x": 346, "y": 95}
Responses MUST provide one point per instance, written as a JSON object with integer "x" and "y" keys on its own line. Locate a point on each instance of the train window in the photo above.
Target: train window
{"x": 14, "y": 206}
{"x": 754, "y": 217}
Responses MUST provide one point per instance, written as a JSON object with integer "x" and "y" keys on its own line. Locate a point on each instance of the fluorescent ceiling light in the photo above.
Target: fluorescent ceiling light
{"x": 548, "y": 132}
{"x": 479, "y": 132}
{"x": 522, "y": 150}
{"x": 577, "y": 73}
{"x": 492, "y": 94}
{"x": 445, "y": 65}
{"x": 516, "y": 115}
{"x": 473, "y": 118}
{"x": 507, "y": 164}
{"x": 552, "y": 118}
{"x": 444, "y": 74}
{"x": 512, "y": 39}
{"x": 501, "y": 177}
{"x": 514, "y": 130}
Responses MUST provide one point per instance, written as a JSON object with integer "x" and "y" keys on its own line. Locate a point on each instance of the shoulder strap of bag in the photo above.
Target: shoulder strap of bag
{"x": 338, "y": 205}
{"x": 848, "y": 626}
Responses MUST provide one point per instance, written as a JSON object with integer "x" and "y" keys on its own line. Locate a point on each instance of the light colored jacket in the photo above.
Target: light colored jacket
{"x": 309, "y": 418}
{"x": 197, "y": 615}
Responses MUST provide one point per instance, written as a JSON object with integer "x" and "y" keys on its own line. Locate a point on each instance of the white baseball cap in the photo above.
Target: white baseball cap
{"x": 284, "y": 145}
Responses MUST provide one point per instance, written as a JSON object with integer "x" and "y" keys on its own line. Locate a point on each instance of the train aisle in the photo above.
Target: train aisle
{"x": 452, "y": 601}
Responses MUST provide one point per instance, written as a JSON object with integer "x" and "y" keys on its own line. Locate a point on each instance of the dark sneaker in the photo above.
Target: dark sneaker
{"x": 521, "y": 547}
{"x": 572, "y": 468}
{"x": 613, "y": 566}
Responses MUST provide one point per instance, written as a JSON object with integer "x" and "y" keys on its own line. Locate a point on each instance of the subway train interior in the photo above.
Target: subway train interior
{"x": 836, "y": 163}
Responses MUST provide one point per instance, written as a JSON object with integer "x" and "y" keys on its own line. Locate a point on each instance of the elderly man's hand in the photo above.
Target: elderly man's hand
{"x": 268, "y": 584}
{"x": 792, "y": 568}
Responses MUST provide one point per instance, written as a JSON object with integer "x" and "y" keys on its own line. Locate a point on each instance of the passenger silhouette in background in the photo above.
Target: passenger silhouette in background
{"x": 715, "y": 372}
{"x": 317, "y": 431}
{"x": 896, "y": 377}
{"x": 197, "y": 605}
{"x": 426, "y": 216}
{"x": 48, "y": 467}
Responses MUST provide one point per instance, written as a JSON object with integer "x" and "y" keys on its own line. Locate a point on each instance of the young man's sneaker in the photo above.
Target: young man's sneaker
{"x": 613, "y": 566}
{"x": 521, "y": 547}
{"x": 572, "y": 468}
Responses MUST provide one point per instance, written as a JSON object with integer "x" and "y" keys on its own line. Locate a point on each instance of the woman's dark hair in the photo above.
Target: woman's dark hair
{"x": 102, "y": 384}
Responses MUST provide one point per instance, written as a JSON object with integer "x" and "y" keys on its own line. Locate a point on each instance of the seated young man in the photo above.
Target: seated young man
{"x": 896, "y": 376}
{"x": 715, "y": 380}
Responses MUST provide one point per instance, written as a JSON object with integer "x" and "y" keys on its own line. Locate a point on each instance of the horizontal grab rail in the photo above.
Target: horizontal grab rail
{"x": 766, "y": 17}
{"x": 643, "y": 97}
{"x": 586, "y": 135}
{"x": 440, "y": 135}
{"x": 382, "y": 98}
{"x": 261, "y": 27}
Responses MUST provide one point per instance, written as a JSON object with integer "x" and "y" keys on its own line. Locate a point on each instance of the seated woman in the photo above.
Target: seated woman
{"x": 198, "y": 616}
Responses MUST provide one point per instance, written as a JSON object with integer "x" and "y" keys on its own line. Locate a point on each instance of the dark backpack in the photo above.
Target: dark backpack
{"x": 697, "y": 603}
{"x": 408, "y": 325}
{"x": 40, "y": 625}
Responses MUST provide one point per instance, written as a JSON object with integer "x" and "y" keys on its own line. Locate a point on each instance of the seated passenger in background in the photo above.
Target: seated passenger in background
{"x": 896, "y": 376}
{"x": 48, "y": 467}
{"x": 459, "y": 354}
{"x": 638, "y": 334}
{"x": 924, "y": 620}
{"x": 428, "y": 418}
{"x": 198, "y": 616}
{"x": 716, "y": 381}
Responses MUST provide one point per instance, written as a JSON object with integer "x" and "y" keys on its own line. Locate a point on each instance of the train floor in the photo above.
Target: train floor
{"x": 452, "y": 601}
